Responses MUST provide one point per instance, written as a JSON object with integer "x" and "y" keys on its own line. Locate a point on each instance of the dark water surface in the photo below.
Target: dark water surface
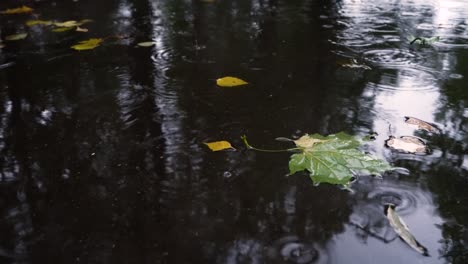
{"x": 102, "y": 158}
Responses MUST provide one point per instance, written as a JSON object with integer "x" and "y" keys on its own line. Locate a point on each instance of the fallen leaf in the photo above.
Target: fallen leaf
{"x": 421, "y": 124}
{"x": 334, "y": 159}
{"x": 408, "y": 144}
{"x": 402, "y": 230}
{"x": 88, "y": 44}
{"x": 79, "y": 29}
{"x": 219, "y": 145}
{"x": 230, "y": 81}
{"x": 70, "y": 23}
{"x": 31, "y": 23}
{"x": 16, "y": 36}
{"x": 307, "y": 142}
{"x": 61, "y": 29}
{"x": 422, "y": 41}
{"x": 146, "y": 44}
{"x": 19, "y": 10}
{"x": 2, "y": 46}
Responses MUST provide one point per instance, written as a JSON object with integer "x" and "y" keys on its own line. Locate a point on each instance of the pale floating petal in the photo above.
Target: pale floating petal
{"x": 230, "y": 81}
{"x": 403, "y": 231}
{"x": 219, "y": 145}
{"x": 16, "y": 36}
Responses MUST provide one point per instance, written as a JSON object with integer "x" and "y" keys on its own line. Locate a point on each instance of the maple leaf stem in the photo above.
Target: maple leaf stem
{"x": 244, "y": 138}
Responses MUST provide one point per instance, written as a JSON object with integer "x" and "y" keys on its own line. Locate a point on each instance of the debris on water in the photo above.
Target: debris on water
{"x": 407, "y": 144}
{"x": 402, "y": 229}
{"x": 420, "y": 124}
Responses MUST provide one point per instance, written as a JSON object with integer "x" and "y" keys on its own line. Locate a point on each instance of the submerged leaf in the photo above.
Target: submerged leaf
{"x": 421, "y": 124}
{"x": 402, "y": 230}
{"x": 230, "y": 81}
{"x": 219, "y": 145}
{"x": 146, "y": 44}
{"x": 62, "y": 29}
{"x": 31, "y": 23}
{"x": 334, "y": 159}
{"x": 423, "y": 41}
{"x": 408, "y": 144}
{"x": 19, "y": 10}
{"x": 16, "y": 36}
{"x": 88, "y": 44}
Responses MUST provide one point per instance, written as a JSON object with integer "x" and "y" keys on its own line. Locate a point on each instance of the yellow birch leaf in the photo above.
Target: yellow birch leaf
{"x": 61, "y": 29}
{"x": 16, "y": 36}
{"x": 19, "y": 10}
{"x": 88, "y": 44}
{"x": 31, "y": 23}
{"x": 70, "y": 23}
{"x": 230, "y": 81}
{"x": 219, "y": 145}
{"x": 80, "y": 29}
{"x": 146, "y": 44}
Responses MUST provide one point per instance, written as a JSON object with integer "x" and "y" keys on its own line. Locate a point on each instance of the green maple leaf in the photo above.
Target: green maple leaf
{"x": 334, "y": 159}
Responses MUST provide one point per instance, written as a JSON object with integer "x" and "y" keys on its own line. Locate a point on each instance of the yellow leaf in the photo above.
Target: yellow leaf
{"x": 16, "y": 36}
{"x": 62, "y": 29}
{"x": 19, "y": 10}
{"x": 146, "y": 44}
{"x": 31, "y": 23}
{"x": 79, "y": 29}
{"x": 230, "y": 81}
{"x": 88, "y": 44}
{"x": 71, "y": 23}
{"x": 219, "y": 145}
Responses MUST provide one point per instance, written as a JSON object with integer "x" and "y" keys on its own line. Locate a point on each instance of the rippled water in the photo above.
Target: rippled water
{"x": 102, "y": 158}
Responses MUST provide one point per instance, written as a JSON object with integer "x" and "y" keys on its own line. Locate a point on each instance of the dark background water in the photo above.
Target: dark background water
{"x": 102, "y": 158}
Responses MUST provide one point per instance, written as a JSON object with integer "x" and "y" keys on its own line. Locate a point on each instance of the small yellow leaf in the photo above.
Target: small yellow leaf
{"x": 146, "y": 44}
{"x": 16, "y": 36}
{"x": 62, "y": 29}
{"x": 88, "y": 44}
{"x": 80, "y": 29}
{"x": 19, "y": 10}
{"x": 31, "y": 23}
{"x": 219, "y": 145}
{"x": 70, "y": 23}
{"x": 230, "y": 81}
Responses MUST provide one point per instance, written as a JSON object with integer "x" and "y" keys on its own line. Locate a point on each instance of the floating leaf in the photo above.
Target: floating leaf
{"x": 332, "y": 159}
{"x": 230, "y": 82}
{"x": 16, "y": 36}
{"x": 402, "y": 230}
{"x": 219, "y": 145}
{"x": 79, "y": 29}
{"x": 88, "y": 44}
{"x": 146, "y": 44}
{"x": 408, "y": 144}
{"x": 70, "y": 23}
{"x": 421, "y": 124}
{"x": 62, "y": 29}
{"x": 31, "y": 23}
{"x": 19, "y": 10}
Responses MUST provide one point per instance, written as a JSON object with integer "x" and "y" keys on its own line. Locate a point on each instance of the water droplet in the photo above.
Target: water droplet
{"x": 227, "y": 174}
